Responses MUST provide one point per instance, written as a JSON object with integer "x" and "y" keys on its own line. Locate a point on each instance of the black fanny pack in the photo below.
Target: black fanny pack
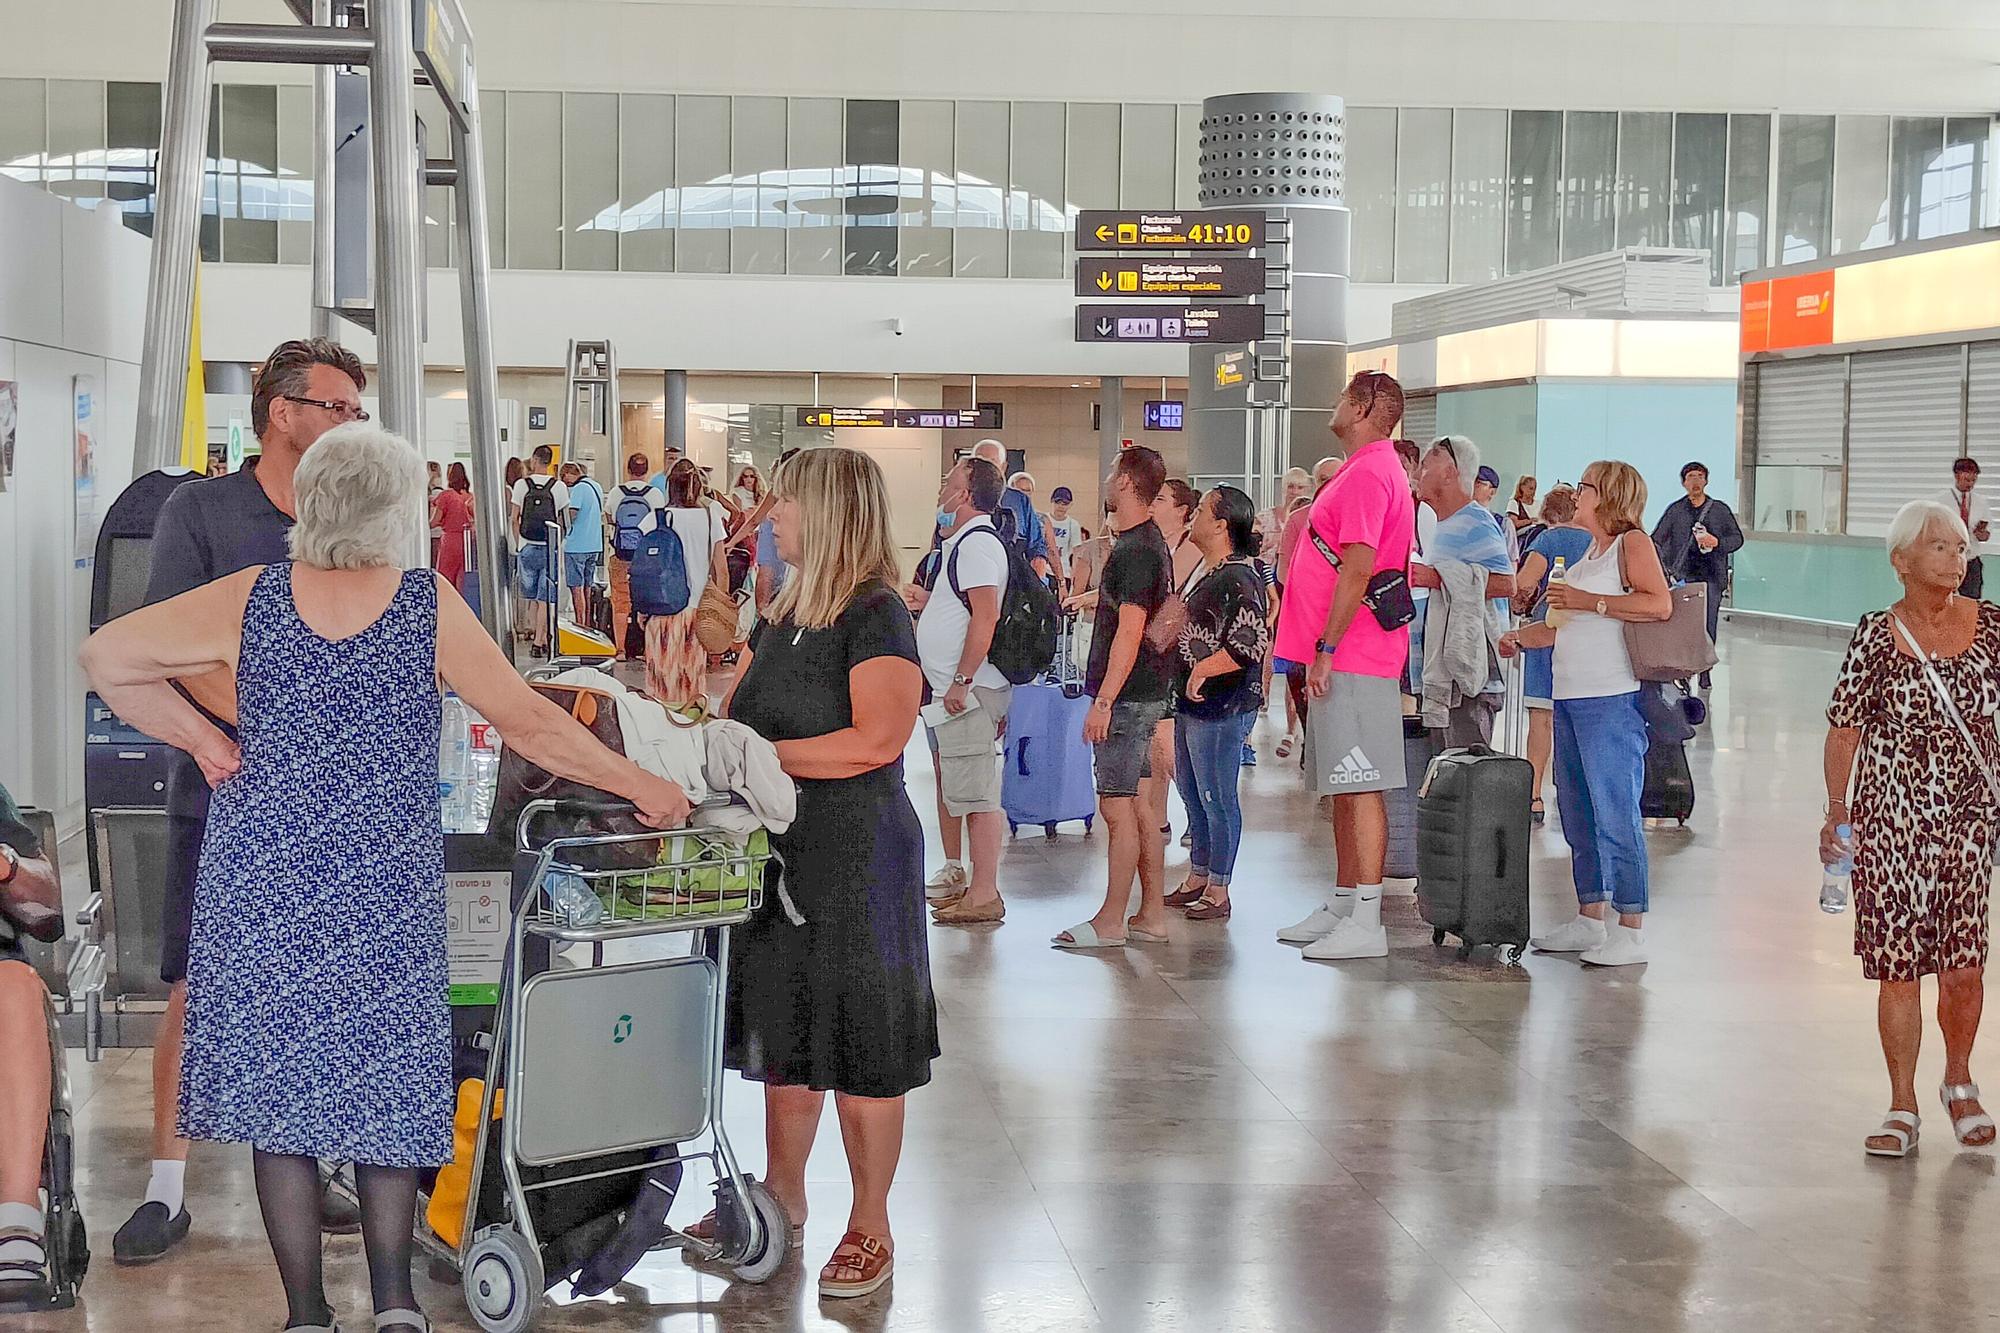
{"x": 1388, "y": 596}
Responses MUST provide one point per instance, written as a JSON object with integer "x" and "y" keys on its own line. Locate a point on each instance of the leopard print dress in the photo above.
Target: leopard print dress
{"x": 1924, "y": 819}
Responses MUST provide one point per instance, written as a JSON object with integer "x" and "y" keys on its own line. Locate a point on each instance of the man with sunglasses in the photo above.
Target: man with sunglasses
{"x": 206, "y": 531}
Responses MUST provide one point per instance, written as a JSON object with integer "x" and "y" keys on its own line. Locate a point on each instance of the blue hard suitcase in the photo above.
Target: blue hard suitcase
{"x": 1047, "y": 776}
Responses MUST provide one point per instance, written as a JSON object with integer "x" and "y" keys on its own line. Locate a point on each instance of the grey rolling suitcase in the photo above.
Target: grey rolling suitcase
{"x": 1472, "y": 850}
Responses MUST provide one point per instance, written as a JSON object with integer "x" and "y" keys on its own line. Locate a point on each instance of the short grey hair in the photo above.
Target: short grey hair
{"x": 1329, "y": 465}
{"x": 992, "y": 451}
{"x": 1297, "y": 476}
{"x": 1917, "y": 517}
{"x": 1463, "y": 453}
{"x": 357, "y": 490}
{"x": 1028, "y": 477}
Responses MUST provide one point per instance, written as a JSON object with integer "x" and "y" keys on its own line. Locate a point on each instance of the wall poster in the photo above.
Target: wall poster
{"x": 84, "y": 396}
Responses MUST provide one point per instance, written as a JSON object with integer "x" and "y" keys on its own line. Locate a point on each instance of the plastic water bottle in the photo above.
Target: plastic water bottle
{"x": 452, "y": 742}
{"x": 1557, "y": 617}
{"x": 1833, "y": 886}
{"x": 572, "y": 901}
{"x": 483, "y": 775}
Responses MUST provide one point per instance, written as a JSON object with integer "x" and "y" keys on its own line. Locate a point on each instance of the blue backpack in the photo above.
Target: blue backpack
{"x": 633, "y": 506}
{"x": 659, "y": 572}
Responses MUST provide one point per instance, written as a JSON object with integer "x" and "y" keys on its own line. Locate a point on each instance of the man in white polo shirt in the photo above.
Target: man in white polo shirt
{"x": 955, "y": 627}
{"x": 1977, "y": 515}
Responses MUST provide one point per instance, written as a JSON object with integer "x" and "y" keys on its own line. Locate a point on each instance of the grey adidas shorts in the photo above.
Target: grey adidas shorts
{"x": 1354, "y": 736}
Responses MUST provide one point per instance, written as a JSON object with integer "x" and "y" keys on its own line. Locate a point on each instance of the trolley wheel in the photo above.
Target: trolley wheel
{"x": 770, "y": 1257}
{"x": 1508, "y": 955}
{"x": 1437, "y": 935}
{"x": 503, "y": 1281}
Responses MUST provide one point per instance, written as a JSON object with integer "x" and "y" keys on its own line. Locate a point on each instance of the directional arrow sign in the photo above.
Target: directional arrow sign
{"x": 1196, "y": 279}
{"x": 1169, "y": 323}
{"x": 1195, "y": 229}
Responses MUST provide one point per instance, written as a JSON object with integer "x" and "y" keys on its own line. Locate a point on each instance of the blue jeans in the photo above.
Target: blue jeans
{"x": 1208, "y": 760}
{"x": 1600, "y": 767}
{"x": 537, "y": 583}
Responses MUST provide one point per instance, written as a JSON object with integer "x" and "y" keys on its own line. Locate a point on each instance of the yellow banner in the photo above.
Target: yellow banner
{"x": 194, "y": 413}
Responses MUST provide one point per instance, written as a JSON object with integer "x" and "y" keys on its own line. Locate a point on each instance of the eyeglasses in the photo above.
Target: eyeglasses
{"x": 1586, "y": 486}
{"x": 345, "y": 411}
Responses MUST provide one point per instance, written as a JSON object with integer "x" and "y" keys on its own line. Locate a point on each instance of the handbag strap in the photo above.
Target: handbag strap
{"x": 1950, "y": 707}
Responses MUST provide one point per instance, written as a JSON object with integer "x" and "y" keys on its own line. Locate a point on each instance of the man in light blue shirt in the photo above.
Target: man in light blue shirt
{"x": 1024, "y": 527}
{"x": 673, "y": 456}
{"x": 583, "y": 542}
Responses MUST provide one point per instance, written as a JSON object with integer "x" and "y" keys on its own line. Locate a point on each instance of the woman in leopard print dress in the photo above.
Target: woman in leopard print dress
{"x": 1924, "y": 813}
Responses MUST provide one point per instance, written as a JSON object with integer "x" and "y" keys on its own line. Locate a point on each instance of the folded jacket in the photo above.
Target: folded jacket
{"x": 654, "y": 739}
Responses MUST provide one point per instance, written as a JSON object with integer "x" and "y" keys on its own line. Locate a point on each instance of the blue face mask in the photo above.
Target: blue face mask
{"x": 947, "y": 517}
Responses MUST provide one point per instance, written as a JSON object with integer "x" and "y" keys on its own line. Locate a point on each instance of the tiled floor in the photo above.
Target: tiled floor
{"x": 1217, "y": 1135}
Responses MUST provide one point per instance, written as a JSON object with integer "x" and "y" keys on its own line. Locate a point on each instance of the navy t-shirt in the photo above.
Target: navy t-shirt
{"x": 209, "y": 530}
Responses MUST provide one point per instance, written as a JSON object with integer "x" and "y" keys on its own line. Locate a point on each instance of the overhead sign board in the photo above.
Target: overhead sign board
{"x": 1199, "y": 279}
{"x": 1169, "y": 323}
{"x": 900, "y": 418}
{"x": 1195, "y": 229}
{"x": 1163, "y": 414}
{"x": 444, "y": 49}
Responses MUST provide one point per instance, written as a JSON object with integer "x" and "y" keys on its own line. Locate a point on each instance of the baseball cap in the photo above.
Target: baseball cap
{"x": 1489, "y": 476}
{"x": 1061, "y": 496}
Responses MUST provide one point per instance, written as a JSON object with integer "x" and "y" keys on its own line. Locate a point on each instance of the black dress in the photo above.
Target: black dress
{"x": 842, "y": 1002}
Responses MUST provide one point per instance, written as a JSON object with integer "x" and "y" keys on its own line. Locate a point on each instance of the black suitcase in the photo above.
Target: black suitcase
{"x": 1472, "y": 849}
{"x": 1669, "y": 791}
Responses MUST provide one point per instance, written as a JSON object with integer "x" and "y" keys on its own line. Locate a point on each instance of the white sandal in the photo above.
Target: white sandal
{"x": 1900, "y": 1126}
{"x": 1083, "y": 935}
{"x": 401, "y": 1319}
{"x": 1961, "y": 1126}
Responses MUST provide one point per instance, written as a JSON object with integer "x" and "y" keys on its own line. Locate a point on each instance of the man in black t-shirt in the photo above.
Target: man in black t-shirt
{"x": 208, "y": 530}
{"x": 1129, "y": 680}
{"x": 27, "y": 886}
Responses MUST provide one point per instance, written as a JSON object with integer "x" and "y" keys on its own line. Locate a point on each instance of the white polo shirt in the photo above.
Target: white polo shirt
{"x": 1972, "y": 507}
{"x": 942, "y": 627}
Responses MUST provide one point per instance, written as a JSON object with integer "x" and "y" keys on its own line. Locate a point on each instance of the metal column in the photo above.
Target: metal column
{"x": 325, "y": 320}
{"x": 176, "y": 240}
{"x": 399, "y": 255}
{"x": 482, "y": 376}
{"x": 1110, "y": 435}
{"x": 675, "y": 405}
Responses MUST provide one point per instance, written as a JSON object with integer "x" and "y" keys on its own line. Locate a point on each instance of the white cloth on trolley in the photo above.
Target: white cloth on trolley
{"x": 654, "y": 740}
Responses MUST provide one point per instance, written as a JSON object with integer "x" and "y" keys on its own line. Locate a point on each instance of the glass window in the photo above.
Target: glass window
{"x": 295, "y": 183}
{"x": 873, "y": 150}
{"x": 590, "y": 181}
{"x": 757, "y": 150}
{"x": 1091, "y": 176}
{"x": 1701, "y": 164}
{"x": 1645, "y": 178}
{"x": 1805, "y": 188}
{"x": 1749, "y": 192}
{"x": 814, "y": 159}
{"x": 1860, "y": 183}
{"x": 1037, "y": 194}
{"x": 24, "y": 128}
{"x": 928, "y": 189}
{"x": 647, "y": 201}
{"x": 1534, "y": 155}
{"x": 438, "y": 203}
{"x": 247, "y": 173}
{"x": 132, "y": 142}
{"x": 1478, "y": 195}
{"x": 702, "y": 181}
{"x": 1187, "y": 156}
{"x": 979, "y": 157}
{"x": 1146, "y": 155}
{"x": 1423, "y": 189}
{"x": 1968, "y": 145}
{"x": 1590, "y": 169}
{"x": 534, "y": 180}
{"x": 210, "y": 226}
{"x": 76, "y": 139}
{"x": 493, "y": 151}
{"x": 1035, "y": 254}
{"x": 1371, "y": 191}
{"x": 1916, "y": 195}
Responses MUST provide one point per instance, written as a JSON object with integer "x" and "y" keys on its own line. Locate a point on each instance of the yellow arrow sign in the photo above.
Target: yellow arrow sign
{"x": 1104, "y": 282}
{"x": 1104, "y": 233}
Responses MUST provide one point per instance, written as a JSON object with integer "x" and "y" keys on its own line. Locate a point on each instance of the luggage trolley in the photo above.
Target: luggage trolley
{"x": 644, "y": 1037}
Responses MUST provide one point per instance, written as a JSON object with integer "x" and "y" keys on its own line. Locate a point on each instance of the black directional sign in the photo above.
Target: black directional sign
{"x": 1199, "y": 279}
{"x": 901, "y": 418}
{"x": 1195, "y": 229}
{"x": 1169, "y": 323}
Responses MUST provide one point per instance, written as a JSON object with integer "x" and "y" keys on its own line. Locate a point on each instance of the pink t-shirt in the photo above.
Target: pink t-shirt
{"x": 1367, "y": 502}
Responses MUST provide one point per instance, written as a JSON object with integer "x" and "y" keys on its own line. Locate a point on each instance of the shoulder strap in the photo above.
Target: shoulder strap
{"x": 951, "y": 565}
{"x": 1950, "y": 708}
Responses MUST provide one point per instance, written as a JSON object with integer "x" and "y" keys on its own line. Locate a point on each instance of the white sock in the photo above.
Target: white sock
{"x": 166, "y": 1184}
{"x": 23, "y": 1215}
{"x": 1368, "y": 906}
{"x": 1342, "y": 901}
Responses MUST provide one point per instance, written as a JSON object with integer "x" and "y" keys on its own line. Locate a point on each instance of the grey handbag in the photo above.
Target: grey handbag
{"x": 1676, "y": 648}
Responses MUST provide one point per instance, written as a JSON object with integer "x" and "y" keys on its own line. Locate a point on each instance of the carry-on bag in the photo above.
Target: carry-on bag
{"x": 1669, "y": 789}
{"x": 1047, "y": 777}
{"x": 1472, "y": 849}
{"x": 1419, "y": 748}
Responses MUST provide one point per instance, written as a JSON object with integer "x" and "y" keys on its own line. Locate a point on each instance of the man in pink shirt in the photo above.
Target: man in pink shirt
{"x": 1360, "y": 524}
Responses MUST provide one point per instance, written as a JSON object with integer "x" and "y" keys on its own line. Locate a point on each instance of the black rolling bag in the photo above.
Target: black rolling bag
{"x": 1472, "y": 849}
{"x": 1669, "y": 790}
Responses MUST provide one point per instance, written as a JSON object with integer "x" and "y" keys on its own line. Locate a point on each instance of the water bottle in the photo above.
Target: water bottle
{"x": 1557, "y": 617}
{"x": 452, "y": 742}
{"x": 1833, "y": 886}
{"x": 572, "y": 901}
{"x": 483, "y": 751}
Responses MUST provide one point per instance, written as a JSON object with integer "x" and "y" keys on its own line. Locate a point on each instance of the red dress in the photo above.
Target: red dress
{"x": 455, "y": 519}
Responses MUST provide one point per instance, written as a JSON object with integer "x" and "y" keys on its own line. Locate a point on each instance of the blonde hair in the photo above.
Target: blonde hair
{"x": 844, "y": 541}
{"x": 676, "y": 663}
{"x": 1621, "y": 495}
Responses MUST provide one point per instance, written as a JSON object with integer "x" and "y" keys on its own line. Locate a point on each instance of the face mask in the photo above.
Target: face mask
{"x": 947, "y": 517}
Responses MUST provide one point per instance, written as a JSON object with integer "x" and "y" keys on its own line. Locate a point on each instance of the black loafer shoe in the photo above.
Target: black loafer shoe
{"x": 149, "y": 1233}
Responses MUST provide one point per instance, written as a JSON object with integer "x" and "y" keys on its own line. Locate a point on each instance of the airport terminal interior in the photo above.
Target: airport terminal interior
{"x": 1727, "y": 277}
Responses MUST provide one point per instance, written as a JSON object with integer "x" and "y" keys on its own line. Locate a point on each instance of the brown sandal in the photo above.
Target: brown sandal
{"x": 1207, "y": 909}
{"x": 957, "y": 913}
{"x": 704, "y": 1231}
{"x": 860, "y": 1265}
{"x": 1188, "y": 893}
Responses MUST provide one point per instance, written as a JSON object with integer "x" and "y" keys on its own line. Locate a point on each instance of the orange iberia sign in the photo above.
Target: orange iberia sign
{"x": 1756, "y": 320}
{"x": 1801, "y": 311}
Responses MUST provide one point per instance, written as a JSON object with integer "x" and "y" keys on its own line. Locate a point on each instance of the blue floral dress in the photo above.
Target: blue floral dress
{"x": 316, "y": 1021}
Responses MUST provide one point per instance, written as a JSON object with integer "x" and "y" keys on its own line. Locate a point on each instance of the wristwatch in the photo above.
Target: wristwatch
{"x": 10, "y": 862}
{"x": 961, "y": 680}
{"x": 1322, "y": 648}
{"x": 1601, "y": 604}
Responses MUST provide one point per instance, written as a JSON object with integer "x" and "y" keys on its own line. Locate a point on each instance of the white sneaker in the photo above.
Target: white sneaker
{"x": 1623, "y": 948}
{"x": 1573, "y": 936}
{"x": 1321, "y": 921}
{"x": 1350, "y": 939}
{"x": 947, "y": 882}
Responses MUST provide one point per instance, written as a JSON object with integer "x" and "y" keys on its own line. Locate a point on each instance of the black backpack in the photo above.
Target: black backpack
{"x": 1024, "y": 641}
{"x": 538, "y": 510}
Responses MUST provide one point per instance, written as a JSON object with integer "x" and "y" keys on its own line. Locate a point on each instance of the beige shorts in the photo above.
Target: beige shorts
{"x": 968, "y": 755}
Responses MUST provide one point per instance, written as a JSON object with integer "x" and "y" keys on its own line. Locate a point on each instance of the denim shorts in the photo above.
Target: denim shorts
{"x": 537, "y": 584}
{"x": 1124, "y": 757}
{"x": 580, "y": 568}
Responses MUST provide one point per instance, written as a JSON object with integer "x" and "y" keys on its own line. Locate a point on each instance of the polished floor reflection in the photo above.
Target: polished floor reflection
{"x": 1215, "y": 1135}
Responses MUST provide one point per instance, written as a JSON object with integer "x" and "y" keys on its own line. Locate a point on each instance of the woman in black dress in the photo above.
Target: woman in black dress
{"x": 830, "y": 985}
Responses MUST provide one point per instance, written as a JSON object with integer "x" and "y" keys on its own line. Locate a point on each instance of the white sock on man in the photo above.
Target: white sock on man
{"x": 1342, "y": 902}
{"x": 1368, "y": 906}
{"x": 167, "y": 1184}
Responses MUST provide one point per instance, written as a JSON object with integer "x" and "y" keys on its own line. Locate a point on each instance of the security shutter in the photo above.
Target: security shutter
{"x": 1982, "y": 417}
{"x": 1798, "y": 413}
{"x": 1420, "y": 418}
{"x": 1903, "y": 432}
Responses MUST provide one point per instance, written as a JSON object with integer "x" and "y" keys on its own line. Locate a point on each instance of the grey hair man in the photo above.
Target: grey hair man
{"x": 1467, "y": 570}
{"x": 206, "y": 531}
{"x": 1019, "y": 523}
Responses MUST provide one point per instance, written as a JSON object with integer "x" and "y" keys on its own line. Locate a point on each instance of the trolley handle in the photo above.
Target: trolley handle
{"x": 592, "y": 806}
